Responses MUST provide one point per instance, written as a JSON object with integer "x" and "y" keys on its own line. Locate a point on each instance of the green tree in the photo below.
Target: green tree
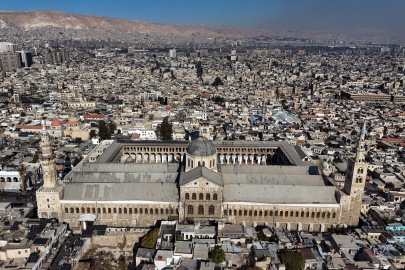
{"x": 293, "y": 260}
{"x": 217, "y": 255}
{"x": 35, "y": 159}
{"x": 336, "y": 229}
{"x": 217, "y": 82}
{"x": 22, "y": 171}
{"x": 103, "y": 131}
{"x": 149, "y": 240}
{"x": 93, "y": 133}
{"x": 112, "y": 127}
{"x": 77, "y": 161}
{"x": 166, "y": 131}
{"x": 262, "y": 237}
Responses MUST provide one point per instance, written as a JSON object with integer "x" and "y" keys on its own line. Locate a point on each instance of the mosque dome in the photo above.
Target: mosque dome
{"x": 201, "y": 147}
{"x": 245, "y": 109}
{"x": 73, "y": 121}
{"x": 56, "y": 123}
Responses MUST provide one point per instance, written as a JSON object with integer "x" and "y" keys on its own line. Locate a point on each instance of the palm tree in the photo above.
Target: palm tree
{"x": 22, "y": 170}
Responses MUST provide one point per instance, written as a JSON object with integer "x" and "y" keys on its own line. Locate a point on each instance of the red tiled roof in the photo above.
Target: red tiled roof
{"x": 100, "y": 116}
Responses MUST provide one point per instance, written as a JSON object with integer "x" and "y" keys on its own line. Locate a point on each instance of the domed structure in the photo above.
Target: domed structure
{"x": 201, "y": 147}
{"x": 201, "y": 152}
{"x": 56, "y": 123}
{"x": 73, "y": 120}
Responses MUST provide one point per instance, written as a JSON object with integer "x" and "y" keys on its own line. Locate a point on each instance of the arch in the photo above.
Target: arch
{"x": 328, "y": 215}
{"x": 286, "y": 213}
{"x": 360, "y": 170}
{"x": 201, "y": 196}
{"x": 151, "y": 211}
{"x": 77, "y": 210}
{"x": 82, "y": 210}
{"x": 130, "y": 211}
{"x": 235, "y": 212}
{"x": 302, "y": 214}
{"x": 201, "y": 210}
{"x": 156, "y": 211}
{"x": 15, "y": 179}
{"x": 276, "y": 213}
{"x": 312, "y": 214}
{"x": 194, "y": 196}
{"x": 245, "y": 213}
{"x": 115, "y": 210}
{"x": 250, "y": 213}
{"x": 271, "y": 213}
{"x": 8, "y": 179}
{"x": 208, "y": 196}
{"x": 72, "y": 210}
{"x": 255, "y": 213}
{"x": 146, "y": 211}
{"x": 187, "y": 196}
{"x": 211, "y": 210}
{"x": 265, "y": 213}
{"x": 318, "y": 214}
{"x": 190, "y": 210}
{"x": 104, "y": 210}
{"x": 98, "y": 210}
{"x": 323, "y": 214}
{"x": 136, "y": 210}
{"x": 359, "y": 179}
{"x": 281, "y": 213}
{"x": 334, "y": 215}
{"x": 240, "y": 212}
{"x": 66, "y": 210}
{"x": 203, "y": 163}
{"x": 171, "y": 211}
{"x": 2, "y": 179}
{"x": 210, "y": 163}
{"x": 307, "y": 215}
{"x": 199, "y": 163}
{"x": 88, "y": 210}
{"x": 140, "y": 210}
{"x": 260, "y": 213}
{"x": 215, "y": 197}
{"x": 125, "y": 210}
{"x": 226, "y": 212}
{"x": 167, "y": 211}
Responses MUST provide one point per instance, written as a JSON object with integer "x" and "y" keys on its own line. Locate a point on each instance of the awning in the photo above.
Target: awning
{"x": 87, "y": 217}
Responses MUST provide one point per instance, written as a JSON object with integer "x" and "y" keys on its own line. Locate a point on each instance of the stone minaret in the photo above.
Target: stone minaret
{"x": 354, "y": 183}
{"x": 50, "y": 194}
{"x": 47, "y": 161}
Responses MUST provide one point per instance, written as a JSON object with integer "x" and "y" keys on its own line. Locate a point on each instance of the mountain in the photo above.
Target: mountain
{"x": 34, "y": 19}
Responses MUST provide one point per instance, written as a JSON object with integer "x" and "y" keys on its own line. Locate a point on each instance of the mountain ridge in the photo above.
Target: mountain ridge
{"x": 34, "y": 19}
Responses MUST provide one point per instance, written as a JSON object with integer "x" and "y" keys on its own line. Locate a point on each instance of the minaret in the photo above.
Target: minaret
{"x": 355, "y": 180}
{"x": 204, "y": 114}
{"x": 47, "y": 160}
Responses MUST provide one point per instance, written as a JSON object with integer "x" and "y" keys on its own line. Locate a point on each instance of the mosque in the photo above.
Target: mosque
{"x": 137, "y": 183}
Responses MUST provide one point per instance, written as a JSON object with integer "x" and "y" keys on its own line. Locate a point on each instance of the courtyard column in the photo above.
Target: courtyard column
{"x": 240, "y": 159}
{"x": 233, "y": 158}
{"x": 156, "y": 159}
{"x": 251, "y": 160}
{"x": 289, "y": 226}
{"x": 227, "y": 159}
{"x": 299, "y": 226}
{"x": 246, "y": 159}
{"x": 221, "y": 158}
{"x": 259, "y": 160}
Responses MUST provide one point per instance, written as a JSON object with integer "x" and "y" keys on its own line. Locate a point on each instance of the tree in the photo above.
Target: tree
{"x": 112, "y": 127}
{"x": 262, "y": 237}
{"x": 35, "y": 159}
{"x": 22, "y": 171}
{"x": 293, "y": 260}
{"x": 217, "y": 255}
{"x": 336, "y": 229}
{"x": 166, "y": 130}
{"x": 149, "y": 240}
{"x": 217, "y": 82}
{"x": 103, "y": 131}
{"x": 93, "y": 133}
{"x": 77, "y": 161}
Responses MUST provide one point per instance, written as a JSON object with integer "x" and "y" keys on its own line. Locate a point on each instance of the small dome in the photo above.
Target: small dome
{"x": 73, "y": 121}
{"x": 245, "y": 109}
{"x": 201, "y": 147}
{"x": 56, "y": 123}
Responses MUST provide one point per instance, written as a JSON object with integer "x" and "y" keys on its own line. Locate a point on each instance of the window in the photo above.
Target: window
{"x": 208, "y": 196}
{"x": 146, "y": 211}
{"x": 125, "y": 211}
{"x": 240, "y": 212}
{"x": 318, "y": 214}
{"x": 66, "y": 210}
{"x": 83, "y": 210}
{"x": 130, "y": 211}
{"x": 211, "y": 210}
{"x": 88, "y": 210}
{"x": 328, "y": 216}
{"x": 77, "y": 210}
{"x": 307, "y": 214}
{"x": 190, "y": 210}
{"x": 151, "y": 211}
{"x": 265, "y": 213}
{"x": 19, "y": 252}
{"x": 109, "y": 210}
{"x": 115, "y": 210}
{"x": 334, "y": 215}
{"x": 276, "y": 213}
{"x": 215, "y": 197}
{"x": 286, "y": 213}
{"x": 271, "y": 213}
{"x": 93, "y": 210}
{"x": 323, "y": 215}
{"x": 194, "y": 196}
{"x": 140, "y": 210}
{"x": 313, "y": 214}
{"x": 226, "y": 212}
{"x": 156, "y": 211}
{"x": 281, "y": 213}
{"x": 103, "y": 210}
{"x": 201, "y": 210}
{"x": 187, "y": 196}
{"x": 245, "y": 213}
{"x": 171, "y": 211}
{"x": 161, "y": 211}
{"x": 250, "y": 212}
{"x": 119, "y": 210}
{"x": 201, "y": 196}
{"x": 167, "y": 211}
{"x": 71, "y": 210}
{"x": 260, "y": 213}
{"x": 297, "y": 214}
{"x": 47, "y": 200}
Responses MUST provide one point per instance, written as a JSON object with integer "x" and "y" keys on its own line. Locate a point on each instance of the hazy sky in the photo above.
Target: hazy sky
{"x": 386, "y": 15}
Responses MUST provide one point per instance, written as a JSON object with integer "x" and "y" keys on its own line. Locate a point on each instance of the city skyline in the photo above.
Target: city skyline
{"x": 292, "y": 14}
